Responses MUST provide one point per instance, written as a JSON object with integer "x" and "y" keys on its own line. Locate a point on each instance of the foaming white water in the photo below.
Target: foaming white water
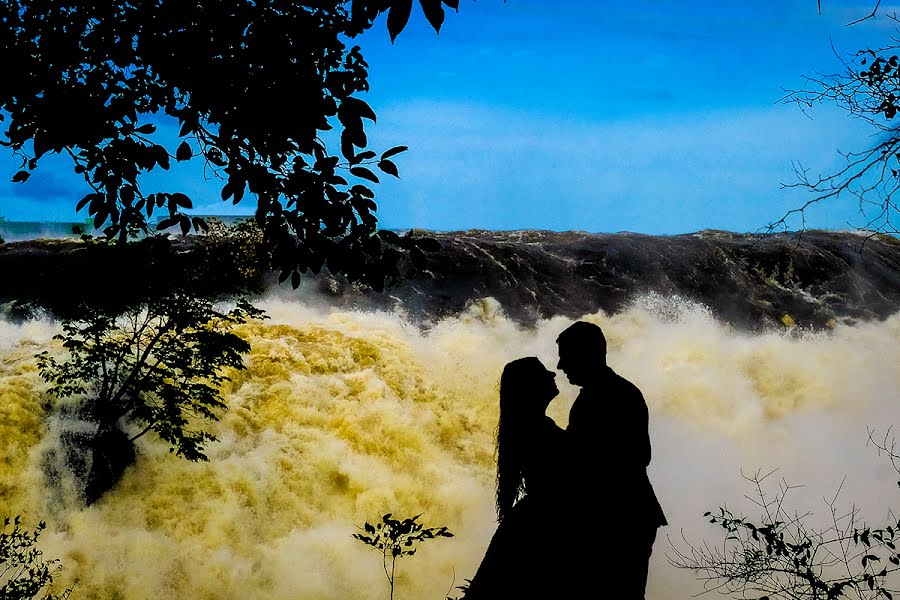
{"x": 342, "y": 416}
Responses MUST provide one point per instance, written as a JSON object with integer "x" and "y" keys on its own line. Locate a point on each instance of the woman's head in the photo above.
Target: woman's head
{"x": 526, "y": 388}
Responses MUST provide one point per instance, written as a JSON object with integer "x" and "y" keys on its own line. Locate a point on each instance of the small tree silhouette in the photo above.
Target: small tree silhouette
{"x": 395, "y": 538}
{"x": 156, "y": 367}
{"x": 23, "y": 572}
{"x": 160, "y": 365}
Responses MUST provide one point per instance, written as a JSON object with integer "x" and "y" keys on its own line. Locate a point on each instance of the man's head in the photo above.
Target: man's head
{"x": 582, "y": 352}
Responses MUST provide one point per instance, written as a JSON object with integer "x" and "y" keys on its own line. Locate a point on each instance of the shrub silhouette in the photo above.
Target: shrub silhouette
{"x": 24, "y": 573}
{"x": 396, "y": 538}
{"x": 782, "y": 555}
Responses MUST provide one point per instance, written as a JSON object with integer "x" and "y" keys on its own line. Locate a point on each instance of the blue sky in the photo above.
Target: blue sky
{"x": 657, "y": 117}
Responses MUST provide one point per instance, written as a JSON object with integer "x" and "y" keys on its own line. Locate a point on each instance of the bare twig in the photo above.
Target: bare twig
{"x": 782, "y": 556}
{"x": 866, "y": 18}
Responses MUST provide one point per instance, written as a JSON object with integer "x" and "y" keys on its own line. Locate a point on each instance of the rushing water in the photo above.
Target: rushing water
{"x": 343, "y": 416}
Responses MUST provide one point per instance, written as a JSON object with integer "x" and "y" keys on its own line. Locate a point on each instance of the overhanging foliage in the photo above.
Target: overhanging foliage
{"x": 250, "y": 86}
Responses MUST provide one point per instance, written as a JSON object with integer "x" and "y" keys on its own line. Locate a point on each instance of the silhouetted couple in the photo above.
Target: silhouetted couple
{"x": 577, "y": 513}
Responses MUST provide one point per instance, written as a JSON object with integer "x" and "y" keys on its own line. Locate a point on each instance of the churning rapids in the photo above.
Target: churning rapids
{"x": 343, "y": 415}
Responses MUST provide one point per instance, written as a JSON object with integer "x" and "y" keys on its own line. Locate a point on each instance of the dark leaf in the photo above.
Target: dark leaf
{"x": 347, "y": 150}
{"x": 239, "y": 185}
{"x": 146, "y": 129}
{"x": 161, "y": 157}
{"x": 184, "y": 152}
{"x": 434, "y": 12}
{"x": 326, "y": 165}
{"x": 199, "y": 224}
{"x": 393, "y": 151}
{"x": 181, "y": 200}
{"x": 362, "y": 190}
{"x": 100, "y": 217}
{"x": 21, "y": 177}
{"x": 358, "y": 107}
{"x": 295, "y": 280}
{"x": 165, "y": 223}
{"x": 185, "y": 223}
{"x": 364, "y": 173}
{"x": 83, "y": 202}
{"x": 389, "y": 167}
{"x": 398, "y": 17}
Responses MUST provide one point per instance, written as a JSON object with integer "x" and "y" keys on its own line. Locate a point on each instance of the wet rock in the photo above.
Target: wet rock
{"x": 748, "y": 281}
{"x": 819, "y": 278}
{"x": 93, "y": 460}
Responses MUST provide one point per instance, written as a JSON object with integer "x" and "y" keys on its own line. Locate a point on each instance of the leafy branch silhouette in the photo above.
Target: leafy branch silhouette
{"x": 396, "y": 538}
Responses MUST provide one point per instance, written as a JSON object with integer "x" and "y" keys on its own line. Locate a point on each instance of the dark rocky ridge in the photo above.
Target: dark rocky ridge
{"x": 817, "y": 279}
{"x": 749, "y": 281}
{"x": 59, "y": 274}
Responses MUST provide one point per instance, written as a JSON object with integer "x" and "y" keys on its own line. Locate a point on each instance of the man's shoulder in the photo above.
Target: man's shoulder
{"x": 624, "y": 385}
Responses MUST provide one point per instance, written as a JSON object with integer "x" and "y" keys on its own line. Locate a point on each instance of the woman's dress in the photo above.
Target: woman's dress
{"x": 525, "y": 556}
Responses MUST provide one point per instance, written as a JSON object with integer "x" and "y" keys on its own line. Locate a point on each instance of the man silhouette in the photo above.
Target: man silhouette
{"x": 608, "y": 432}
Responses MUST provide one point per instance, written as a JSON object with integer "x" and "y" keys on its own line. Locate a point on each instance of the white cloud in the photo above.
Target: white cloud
{"x": 481, "y": 166}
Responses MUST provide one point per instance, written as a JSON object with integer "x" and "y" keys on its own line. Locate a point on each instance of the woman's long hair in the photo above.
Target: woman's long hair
{"x": 516, "y": 418}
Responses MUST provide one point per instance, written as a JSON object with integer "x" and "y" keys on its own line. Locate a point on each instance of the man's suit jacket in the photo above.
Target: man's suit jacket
{"x": 610, "y": 437}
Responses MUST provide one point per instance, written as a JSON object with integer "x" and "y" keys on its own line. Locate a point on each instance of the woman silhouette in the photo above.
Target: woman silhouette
{"x": 530, "y": 459}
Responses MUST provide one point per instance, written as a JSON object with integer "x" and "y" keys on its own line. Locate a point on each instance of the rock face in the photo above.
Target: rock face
{"x": 749, "y": 281}
{"x": 97, "y": 460}
{"x": 815, "y": 279}
{"x": 93, "y": 456}
{"x": 58, "y": 275}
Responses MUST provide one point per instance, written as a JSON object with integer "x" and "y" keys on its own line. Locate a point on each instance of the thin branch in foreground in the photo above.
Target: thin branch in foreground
{"x": 784, "y": 556}
{"x": 866, "y": 18}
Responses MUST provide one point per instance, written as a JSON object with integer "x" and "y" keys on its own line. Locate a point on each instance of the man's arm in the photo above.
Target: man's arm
{"x": 642, "y": 420}
{"x": 634, "y": 425}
